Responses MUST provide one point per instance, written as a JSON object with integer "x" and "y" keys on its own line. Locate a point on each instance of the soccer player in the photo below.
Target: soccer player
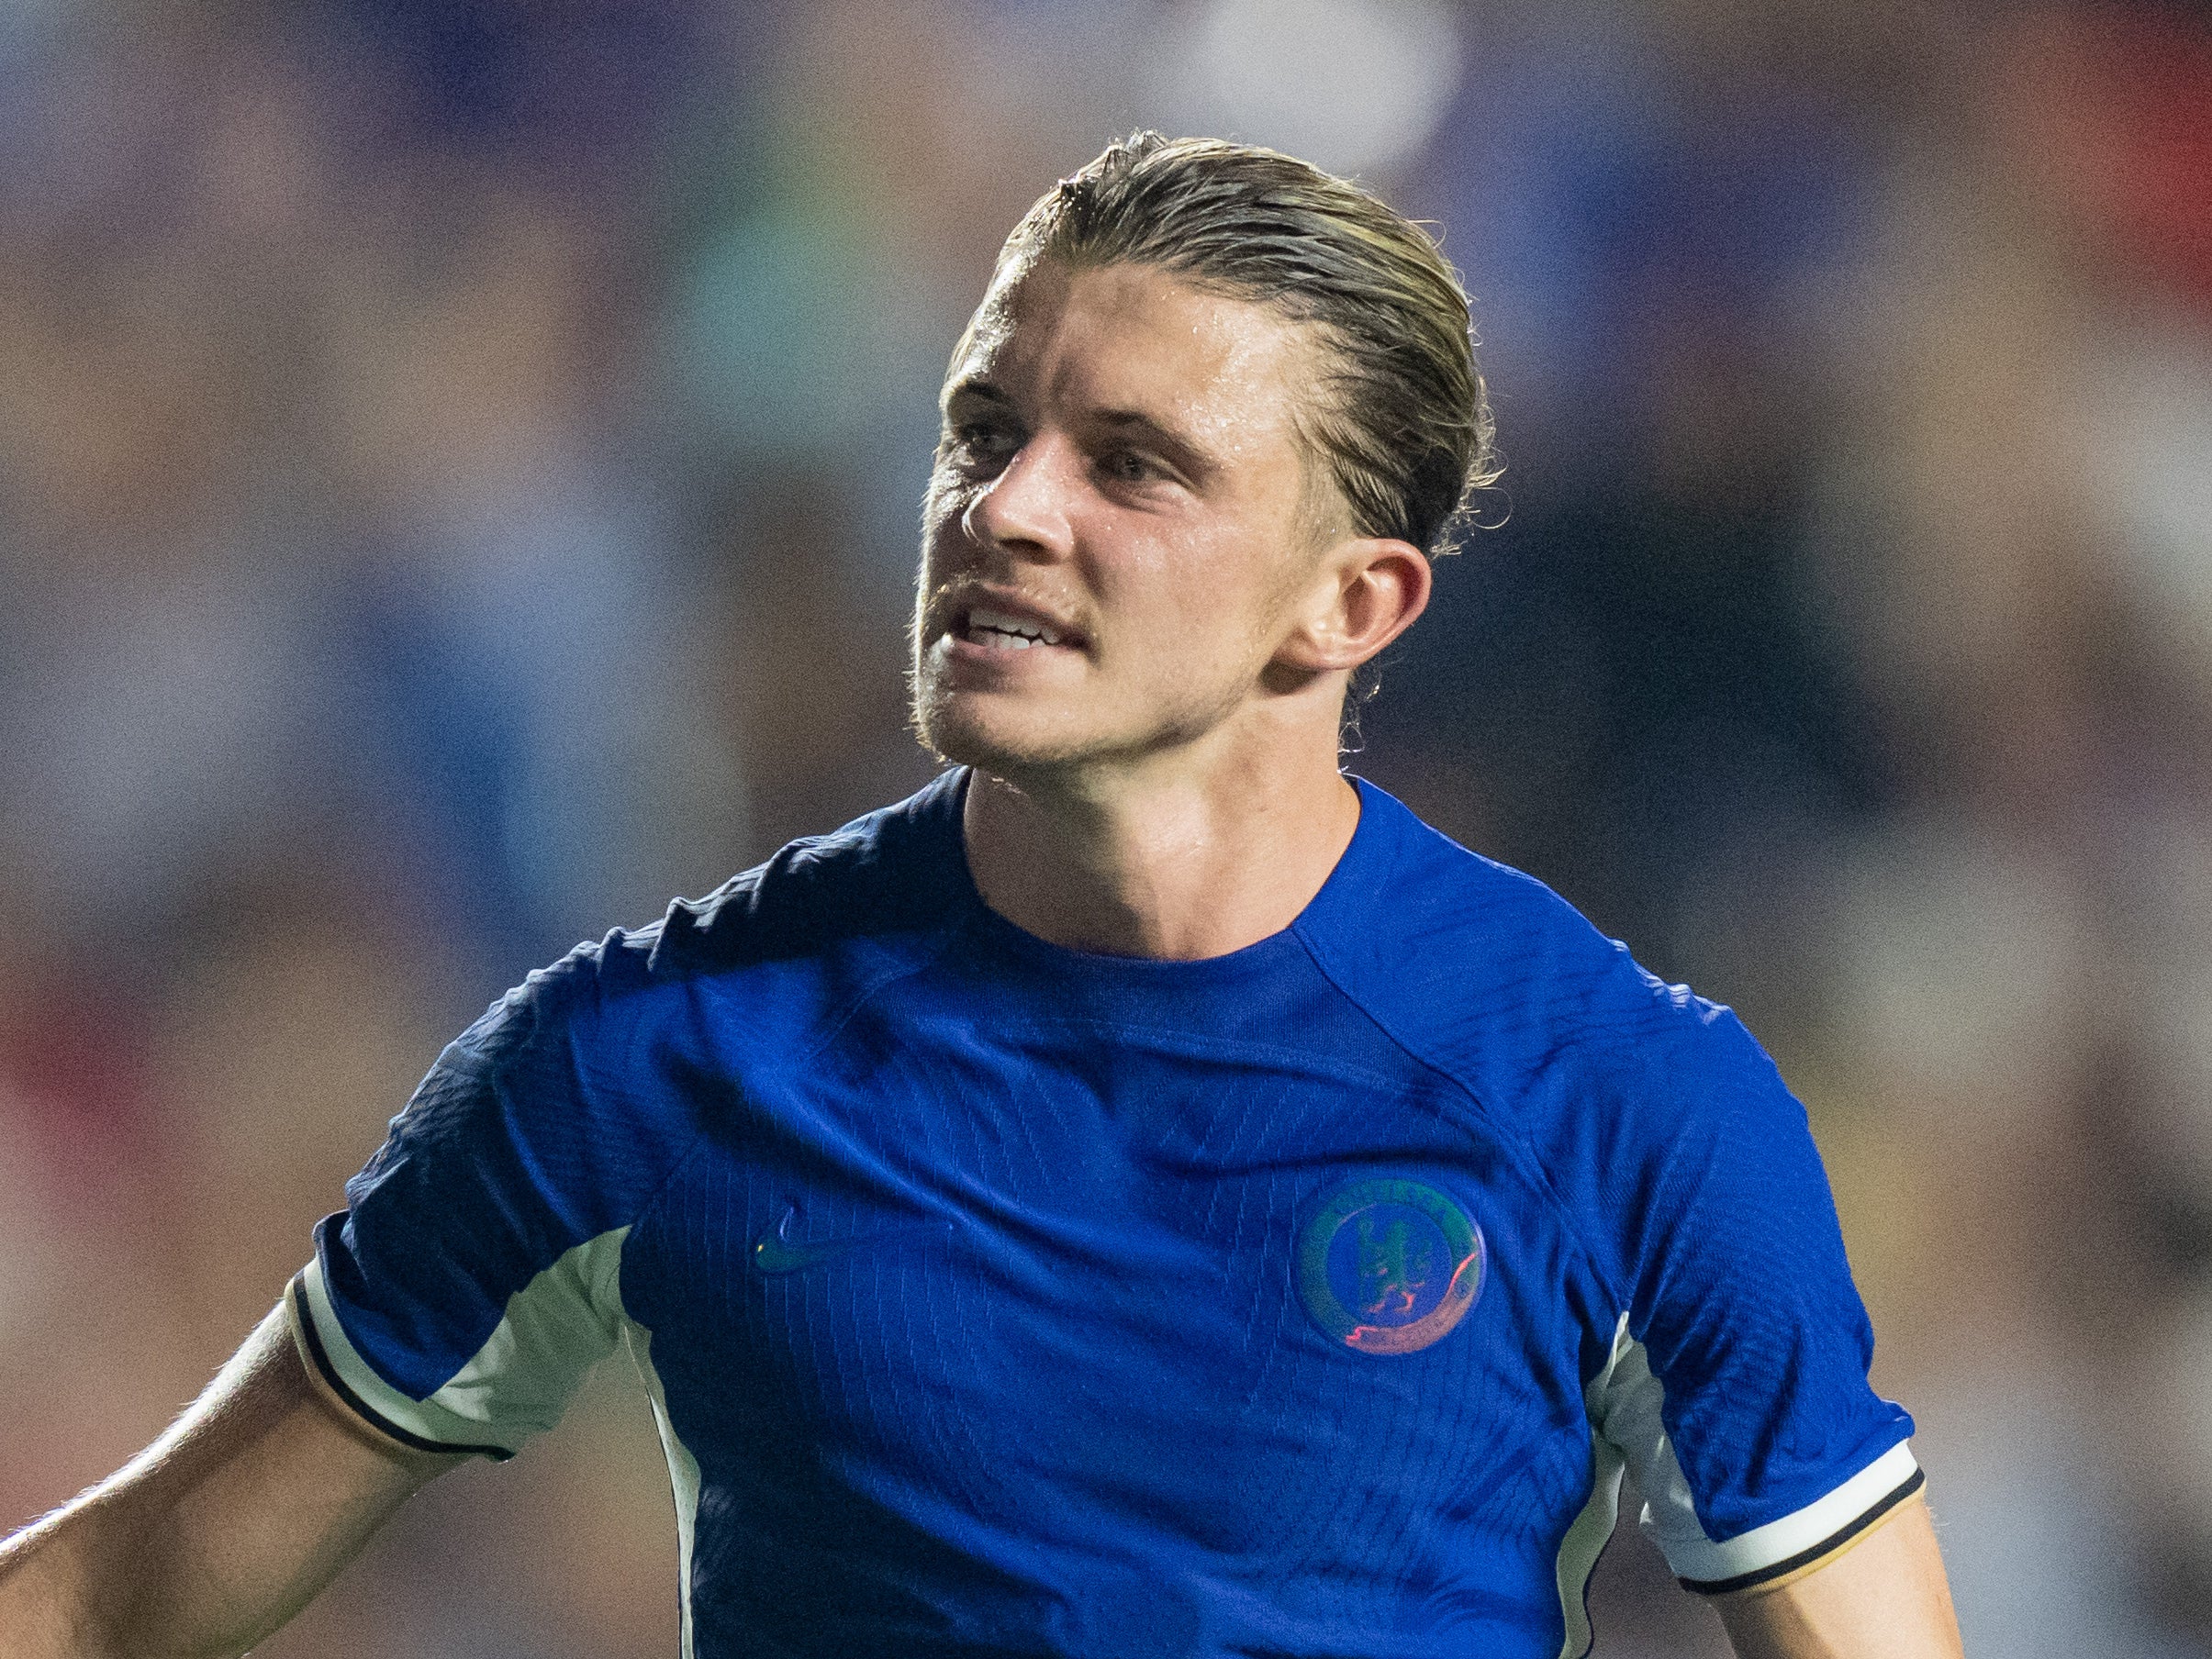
{"x": 1148, "y": 1194}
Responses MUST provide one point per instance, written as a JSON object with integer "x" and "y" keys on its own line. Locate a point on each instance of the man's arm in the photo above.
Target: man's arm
{"x": 217, "y": 1533}
{"x": 1884, "y": 1597}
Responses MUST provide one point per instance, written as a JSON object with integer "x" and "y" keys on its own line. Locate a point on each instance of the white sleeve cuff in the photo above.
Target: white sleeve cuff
{"x": 330, "y": 1354}
{"x": 1783, "y": 1547}
{"x": 1626, "y": 1403}
{"x": 516, "y": 1385}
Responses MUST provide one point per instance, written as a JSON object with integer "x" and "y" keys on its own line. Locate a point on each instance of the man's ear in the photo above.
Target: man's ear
{"x": 1367, "y": 591}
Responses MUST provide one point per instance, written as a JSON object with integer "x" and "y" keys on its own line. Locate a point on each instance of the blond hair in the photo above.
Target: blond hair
{"x": 1401, "y": 417}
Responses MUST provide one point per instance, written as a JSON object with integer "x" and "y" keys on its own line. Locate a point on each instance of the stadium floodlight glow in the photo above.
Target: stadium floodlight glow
{"x": 1352, "y": 84}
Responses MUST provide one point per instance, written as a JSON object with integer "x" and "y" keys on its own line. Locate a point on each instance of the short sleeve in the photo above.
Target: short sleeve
{"x": 474, "y": 1277}
{"x": 1736, "y": 1388}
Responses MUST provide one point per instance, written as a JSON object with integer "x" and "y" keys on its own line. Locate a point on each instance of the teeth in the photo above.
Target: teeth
{"x": 1017, "y": 633}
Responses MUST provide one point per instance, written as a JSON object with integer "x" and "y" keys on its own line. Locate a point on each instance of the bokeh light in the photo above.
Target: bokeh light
{"x": 458, "y": 478}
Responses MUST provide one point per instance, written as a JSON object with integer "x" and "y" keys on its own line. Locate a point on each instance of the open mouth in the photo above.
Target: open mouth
{"x": 1003, "y": 630}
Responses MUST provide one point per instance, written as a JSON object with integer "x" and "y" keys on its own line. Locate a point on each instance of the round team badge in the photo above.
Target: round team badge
{"x": 1389, "y": 1266}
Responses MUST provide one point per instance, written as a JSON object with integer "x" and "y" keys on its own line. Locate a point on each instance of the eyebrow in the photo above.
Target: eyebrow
{"x": 973, "y": 387}
{"x": 1187, "y": 453}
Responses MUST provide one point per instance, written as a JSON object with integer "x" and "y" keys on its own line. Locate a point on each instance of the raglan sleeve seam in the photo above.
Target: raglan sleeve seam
{"x": 1530, "y": 1165}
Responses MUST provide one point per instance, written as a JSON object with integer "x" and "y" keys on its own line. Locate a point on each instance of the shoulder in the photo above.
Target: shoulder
{"x": 823, "y": 908}
{"x": 1485, "y": 972}
{"x": 894, "y": 872}
{"x": 581, "y": 1052}
{"x": 1627, "y": 1096}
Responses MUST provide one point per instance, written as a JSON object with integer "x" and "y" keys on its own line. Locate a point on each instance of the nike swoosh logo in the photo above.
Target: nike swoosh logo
{"x": 777, "y": 1253}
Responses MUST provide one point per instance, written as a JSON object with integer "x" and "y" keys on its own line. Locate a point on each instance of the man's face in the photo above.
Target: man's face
{"x": 1119, "y": 525}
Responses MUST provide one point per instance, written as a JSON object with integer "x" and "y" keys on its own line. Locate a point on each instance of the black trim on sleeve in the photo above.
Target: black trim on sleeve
{"x": 1834, "y": 1540}
{"x": 368, "y": 1414}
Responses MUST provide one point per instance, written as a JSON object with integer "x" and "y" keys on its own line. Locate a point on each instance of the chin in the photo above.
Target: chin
{"x": 965, "y": 730}
{"x": 1001, "y": 748}
{"x": 1021, "y": 737}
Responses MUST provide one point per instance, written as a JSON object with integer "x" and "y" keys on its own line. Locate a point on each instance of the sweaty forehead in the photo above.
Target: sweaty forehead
{"x": 1136, "y": 338}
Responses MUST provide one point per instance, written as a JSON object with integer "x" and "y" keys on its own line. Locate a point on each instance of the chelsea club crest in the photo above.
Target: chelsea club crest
{"x": 1389, "y": 1266}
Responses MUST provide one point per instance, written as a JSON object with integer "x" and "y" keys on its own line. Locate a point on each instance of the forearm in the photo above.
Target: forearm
{"x": 214, "y": 1536}
{"x": 117, "y": 1577}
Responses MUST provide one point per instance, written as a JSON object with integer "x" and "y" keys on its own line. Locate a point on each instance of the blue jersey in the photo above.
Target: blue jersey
{"x": 996, "y": 1299}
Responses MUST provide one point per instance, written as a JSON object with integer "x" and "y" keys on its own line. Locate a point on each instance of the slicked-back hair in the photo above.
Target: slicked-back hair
{"x": 1399, "y": 414}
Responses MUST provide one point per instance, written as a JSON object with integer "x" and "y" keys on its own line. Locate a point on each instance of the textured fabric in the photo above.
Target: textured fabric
{"x": 1008, "y": 1300}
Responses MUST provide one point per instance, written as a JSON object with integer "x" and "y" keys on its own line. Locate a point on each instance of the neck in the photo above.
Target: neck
{"x": 1166, "y": 861}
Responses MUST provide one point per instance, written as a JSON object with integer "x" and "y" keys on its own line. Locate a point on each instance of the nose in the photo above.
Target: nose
{"x": 1025, "y": 510}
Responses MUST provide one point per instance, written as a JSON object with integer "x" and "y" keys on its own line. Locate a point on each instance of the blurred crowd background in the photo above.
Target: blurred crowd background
{"x": 459, "y": 463}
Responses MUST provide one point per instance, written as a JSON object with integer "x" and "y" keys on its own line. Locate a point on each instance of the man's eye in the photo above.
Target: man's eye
{"x": 977, "y": 443}
{"x": 1130, "y": 466}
